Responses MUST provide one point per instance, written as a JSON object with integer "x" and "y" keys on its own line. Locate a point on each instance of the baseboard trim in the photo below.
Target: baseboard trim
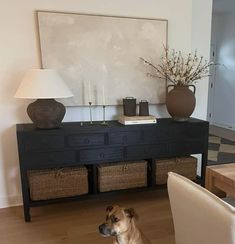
{"x": 11, "y": 201}
{"x": 227, "y": 127}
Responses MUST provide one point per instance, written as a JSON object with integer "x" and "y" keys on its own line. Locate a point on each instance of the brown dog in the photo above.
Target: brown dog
{"x": 120, "y": 223}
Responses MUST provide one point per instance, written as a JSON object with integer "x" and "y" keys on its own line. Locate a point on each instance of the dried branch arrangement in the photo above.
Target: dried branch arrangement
{"x": 179, "y": 69}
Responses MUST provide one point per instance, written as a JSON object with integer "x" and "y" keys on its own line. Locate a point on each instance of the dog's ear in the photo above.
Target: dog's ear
{"x": 130, "y": 213}
{"x": 109, "y": 208}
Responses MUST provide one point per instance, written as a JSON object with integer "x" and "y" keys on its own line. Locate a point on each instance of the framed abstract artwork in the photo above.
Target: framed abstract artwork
{"x": 99, "y": 56}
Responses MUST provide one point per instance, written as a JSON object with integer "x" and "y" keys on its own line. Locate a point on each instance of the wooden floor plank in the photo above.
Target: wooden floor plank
{"x": 77, "y": 222}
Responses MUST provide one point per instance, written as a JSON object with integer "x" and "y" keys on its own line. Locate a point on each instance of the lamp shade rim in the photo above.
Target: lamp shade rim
{"x": 42, "y": 84}
{"x": 42, "y": 97}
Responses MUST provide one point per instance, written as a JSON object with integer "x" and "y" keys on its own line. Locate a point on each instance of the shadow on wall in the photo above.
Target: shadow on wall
{"x": 10, "y": 168}
{"x": 112, "y": 112}
{"x": 21, "y": 110}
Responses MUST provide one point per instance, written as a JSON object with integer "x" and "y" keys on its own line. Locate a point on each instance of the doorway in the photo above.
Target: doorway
{"x": 221, "y": 99}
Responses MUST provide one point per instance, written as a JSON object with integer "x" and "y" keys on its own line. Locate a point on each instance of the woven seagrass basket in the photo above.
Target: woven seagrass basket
{"x": 186, "y": 166}
{"x": 57, "y": 183}
{"x": 122, "y": 176}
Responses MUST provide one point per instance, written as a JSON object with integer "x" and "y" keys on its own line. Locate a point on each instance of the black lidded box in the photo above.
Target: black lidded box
{"x": 129, "y": 106}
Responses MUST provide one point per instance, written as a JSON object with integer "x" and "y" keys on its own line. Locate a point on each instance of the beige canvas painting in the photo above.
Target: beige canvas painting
{"x": 99, "y": 56}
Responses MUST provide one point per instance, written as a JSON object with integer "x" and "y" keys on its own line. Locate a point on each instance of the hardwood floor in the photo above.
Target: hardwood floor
{"x": 77, "y": 222}
{"x": 222, "y": 132}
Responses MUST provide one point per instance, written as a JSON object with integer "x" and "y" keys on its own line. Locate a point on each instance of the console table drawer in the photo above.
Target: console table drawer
{"x": 154, "y": 135}
{"x": 101, "y": 154}
{"x": 41, "y": 159}
{"x": 147, "y": 151}
{"x": 85, "y": 139}
{"x": 47, "y": 142}
{"x": 125, "y": 138}
{"x": 188, "y": 131}
{"x": 187, "y": 147}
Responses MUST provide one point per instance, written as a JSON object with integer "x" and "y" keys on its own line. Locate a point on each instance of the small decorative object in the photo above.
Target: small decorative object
{"x": 182, "y": 72}
{"x": 180, "y": 102}
{"x": 90, "y": 101}
{"x": 44, "y": 85}
{"x": 104, "y": 122}
{"x": 137, "y": 120}
{"x": 129, "y": 106}
{"x": 103, "y": 96}
{"x": 144, "y": 108}
{"x": 90, "y": 104}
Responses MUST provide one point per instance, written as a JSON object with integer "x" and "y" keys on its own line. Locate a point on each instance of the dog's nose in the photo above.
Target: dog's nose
{"x": 101, "y": 228}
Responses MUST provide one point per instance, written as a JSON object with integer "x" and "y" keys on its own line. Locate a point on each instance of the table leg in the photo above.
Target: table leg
{"x": 27, "y": 216}
{"x": 25, "y": 193}
{"x": 203, "y": 168}
{"x": 210, "y": 183}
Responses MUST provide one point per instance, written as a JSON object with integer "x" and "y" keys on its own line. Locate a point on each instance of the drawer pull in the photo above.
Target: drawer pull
{"x": 44, "y": 142}
{"x": 87, "y": 141}
{"x": 51, "y": 158}
{"x": 101, "y": 155}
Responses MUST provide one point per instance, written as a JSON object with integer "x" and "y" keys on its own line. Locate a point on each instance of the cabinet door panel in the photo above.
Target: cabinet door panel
{"x": 189, "y": 131}
{"x": 147, "y": 151}
{"x": 157, "y": 134}
{"x": 186, "y": 147}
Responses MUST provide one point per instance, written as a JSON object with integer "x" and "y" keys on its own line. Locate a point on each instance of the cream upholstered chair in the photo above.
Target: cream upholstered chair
{"x": 198, "y": 215}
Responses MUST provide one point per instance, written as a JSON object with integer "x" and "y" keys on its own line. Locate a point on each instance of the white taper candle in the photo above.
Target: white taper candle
{"x": 103, "y": 95}
{"x": 89, "y": 91}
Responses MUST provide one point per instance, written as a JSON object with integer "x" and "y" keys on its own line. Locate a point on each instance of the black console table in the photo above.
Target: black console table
{"x": 74, "y": 144}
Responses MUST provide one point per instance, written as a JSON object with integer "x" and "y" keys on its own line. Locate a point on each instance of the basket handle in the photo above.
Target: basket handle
{"x": 177, "y": 160}
{"x": 58, "y": 172}
{"x": 125, "y": 167}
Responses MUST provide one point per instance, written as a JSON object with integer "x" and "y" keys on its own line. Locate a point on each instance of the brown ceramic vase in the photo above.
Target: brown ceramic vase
{"x": 46, "y": 113}
{"x": 180, "y": 102}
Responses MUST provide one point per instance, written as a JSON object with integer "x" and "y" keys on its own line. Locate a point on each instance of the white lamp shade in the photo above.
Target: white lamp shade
{"x": 44, "y": 84}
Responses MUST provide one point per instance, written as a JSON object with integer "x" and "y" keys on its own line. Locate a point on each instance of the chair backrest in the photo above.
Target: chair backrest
{"x": 198, "y": 215}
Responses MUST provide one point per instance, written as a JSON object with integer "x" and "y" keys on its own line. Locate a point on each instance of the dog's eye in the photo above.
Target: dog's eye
{"x": 115, "y": 220}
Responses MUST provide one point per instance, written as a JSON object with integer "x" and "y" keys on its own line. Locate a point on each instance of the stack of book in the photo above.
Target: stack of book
{"x": 137, "y": 120}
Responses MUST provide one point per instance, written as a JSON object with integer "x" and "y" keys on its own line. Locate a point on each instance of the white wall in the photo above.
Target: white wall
{"x": 19, "y": 51}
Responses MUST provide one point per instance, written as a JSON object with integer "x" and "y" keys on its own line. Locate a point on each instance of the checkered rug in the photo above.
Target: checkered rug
{"x": 220, "y": 150}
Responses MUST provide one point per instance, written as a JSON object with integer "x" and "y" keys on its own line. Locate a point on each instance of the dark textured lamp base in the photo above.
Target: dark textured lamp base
{"x": 46, "y": 113}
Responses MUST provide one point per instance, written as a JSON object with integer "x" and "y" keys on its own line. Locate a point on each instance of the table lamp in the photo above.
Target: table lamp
{"x": 44, "y": 85}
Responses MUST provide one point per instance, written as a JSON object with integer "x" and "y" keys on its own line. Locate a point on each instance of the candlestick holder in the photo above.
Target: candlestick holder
{"x": 90, "y": 104}
{"x": 104, "y": 122}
